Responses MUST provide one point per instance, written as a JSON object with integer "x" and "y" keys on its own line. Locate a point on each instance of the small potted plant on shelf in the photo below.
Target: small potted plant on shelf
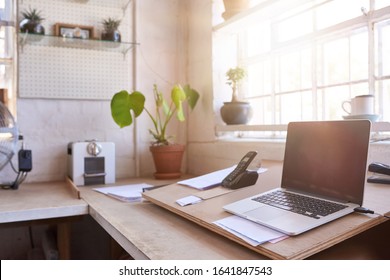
{"x": 236, "y": 111}
{"x": 111, "y": 32}
{"x": 233, "y": 7}
{"x": 31, "y": 22}
{"x": 167, "y": 155}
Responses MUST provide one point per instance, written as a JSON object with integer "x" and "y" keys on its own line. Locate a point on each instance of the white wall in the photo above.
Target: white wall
{"x": 48, "y": 125}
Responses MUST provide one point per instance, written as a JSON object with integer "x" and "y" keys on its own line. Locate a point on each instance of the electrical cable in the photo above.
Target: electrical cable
{"x": 364, "y": 210}
{"x": 21, "y": 174}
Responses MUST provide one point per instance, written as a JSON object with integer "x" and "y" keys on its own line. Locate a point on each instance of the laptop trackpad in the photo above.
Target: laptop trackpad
{"x": 265, "y": 213}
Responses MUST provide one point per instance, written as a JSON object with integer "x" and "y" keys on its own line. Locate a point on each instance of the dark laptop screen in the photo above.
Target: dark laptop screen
{"x": 327, "y": 158}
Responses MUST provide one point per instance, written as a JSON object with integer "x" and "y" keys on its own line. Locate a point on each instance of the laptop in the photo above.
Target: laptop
{"x": 323, "y": 177}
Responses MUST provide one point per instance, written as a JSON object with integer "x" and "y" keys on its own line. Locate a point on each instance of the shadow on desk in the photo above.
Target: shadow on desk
{"x": 369, "y": 245}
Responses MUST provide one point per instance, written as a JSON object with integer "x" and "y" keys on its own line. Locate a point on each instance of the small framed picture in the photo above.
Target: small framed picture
{"x": 73, "y": 31}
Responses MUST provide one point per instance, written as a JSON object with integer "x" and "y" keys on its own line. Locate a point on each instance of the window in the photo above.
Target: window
{"x": 303, "y": 62}
{"x": 7, "y": 55}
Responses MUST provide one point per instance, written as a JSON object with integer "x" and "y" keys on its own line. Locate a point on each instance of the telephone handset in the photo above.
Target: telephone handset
{"x": 240, "y": 177}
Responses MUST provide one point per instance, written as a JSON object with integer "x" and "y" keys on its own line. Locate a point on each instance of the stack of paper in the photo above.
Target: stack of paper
{"x": 212, "y": 179}
{"x": 249, "y": 231}
{"x": 127, "y": 193}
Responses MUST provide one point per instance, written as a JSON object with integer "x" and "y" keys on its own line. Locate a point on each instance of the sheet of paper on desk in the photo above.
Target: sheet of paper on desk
{"x": 211, "y": 179}
{"x": 250, "y": 232}
{"x": 128, "y": 193}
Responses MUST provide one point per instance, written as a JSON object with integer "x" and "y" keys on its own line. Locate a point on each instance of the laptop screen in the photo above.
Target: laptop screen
{"x": 327, "y": 158}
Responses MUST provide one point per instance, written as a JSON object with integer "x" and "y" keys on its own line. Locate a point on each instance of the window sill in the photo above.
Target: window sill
{"x": 274, "y": 132}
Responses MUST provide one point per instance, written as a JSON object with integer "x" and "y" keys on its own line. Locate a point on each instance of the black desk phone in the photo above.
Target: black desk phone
{"x": 240, "y": 177}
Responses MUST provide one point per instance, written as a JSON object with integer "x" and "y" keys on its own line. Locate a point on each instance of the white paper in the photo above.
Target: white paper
{"x": 245, "y": 229}
{"x": 127, "y": 193}
{"x": 188, "y": 200}
{"x": 208, "y": 180}
{"x": 212, "y": 179}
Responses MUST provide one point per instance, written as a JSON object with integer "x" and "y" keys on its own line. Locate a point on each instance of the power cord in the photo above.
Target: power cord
{"x": 364, "y": 210}
{"x": 25, "y": 166}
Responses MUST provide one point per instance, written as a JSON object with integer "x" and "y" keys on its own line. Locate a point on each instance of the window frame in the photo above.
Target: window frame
{"x": 365, "y": 21}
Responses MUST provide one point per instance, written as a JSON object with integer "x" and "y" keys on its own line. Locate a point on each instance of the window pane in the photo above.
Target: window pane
{"x": 337, "y": 11}
{"x": 332, "y": 100}
{"x": 335, "y": 62}
{"x": 360, "y": 89}
{"x": 295, "y": 26}
{"x": 359, "y": 56}
{"x": 307, "y": 105}
{"x": 306, "y": 68}
{"x": 382, "y": 105}
{"x": 259, "y": 79}
{"x": 295, "y": 106}
{"x": 289, "y": 72}
{"x": 258, "y": 39}
{"x": 290, "y": 107}
{"x": 262, "y": 111}
{"x": 381, "y": 4}
{"x": 383, "y": 47}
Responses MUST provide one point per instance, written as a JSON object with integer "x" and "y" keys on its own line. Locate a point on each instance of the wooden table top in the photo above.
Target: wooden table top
{"x": 377, "y": 198}
{"x": 35, "y": 201}
{"x": 147, "y": 231}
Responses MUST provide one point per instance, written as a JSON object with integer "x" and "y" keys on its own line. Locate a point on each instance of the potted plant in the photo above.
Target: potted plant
{"x": 31, "y": 22}
{"x": 126, "y": 106}
{"x": 111, "y": 32}
{"x": 236, "y": 111}
{"x": 233, "y": 7}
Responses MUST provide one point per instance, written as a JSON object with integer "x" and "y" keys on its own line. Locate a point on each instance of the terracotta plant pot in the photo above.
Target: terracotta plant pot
{"x": 233, "y": 7}
{"x": 167, "y": 160}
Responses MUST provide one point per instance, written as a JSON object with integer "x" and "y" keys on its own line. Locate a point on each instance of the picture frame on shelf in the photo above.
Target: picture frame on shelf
{"x": 74, "y": 31}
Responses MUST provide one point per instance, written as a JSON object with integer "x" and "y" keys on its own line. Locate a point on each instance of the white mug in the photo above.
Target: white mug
{"x": 359, "y": 105}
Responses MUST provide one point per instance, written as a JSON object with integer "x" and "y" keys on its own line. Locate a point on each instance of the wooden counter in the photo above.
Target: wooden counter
{"x": 147, "y": 231}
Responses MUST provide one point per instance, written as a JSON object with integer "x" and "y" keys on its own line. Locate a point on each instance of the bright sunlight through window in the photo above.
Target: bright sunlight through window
{"x": 302, "y": 63}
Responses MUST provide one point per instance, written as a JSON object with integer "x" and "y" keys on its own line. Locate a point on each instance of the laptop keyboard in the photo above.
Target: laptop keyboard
{"x": 300, "y": 204}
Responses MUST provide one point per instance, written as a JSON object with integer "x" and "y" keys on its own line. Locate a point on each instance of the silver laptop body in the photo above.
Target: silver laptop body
{"x": 325, "y": 160}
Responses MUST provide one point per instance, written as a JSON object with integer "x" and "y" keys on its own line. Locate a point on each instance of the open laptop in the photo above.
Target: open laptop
{"x": 323, "y": 159}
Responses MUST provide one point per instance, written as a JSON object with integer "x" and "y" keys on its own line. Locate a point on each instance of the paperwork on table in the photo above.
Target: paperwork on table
{"x": 127, "y": 193}
{"x": 206, "y": 184}
{"x": 212, "y": 179}
{"x": 248, "y": 231}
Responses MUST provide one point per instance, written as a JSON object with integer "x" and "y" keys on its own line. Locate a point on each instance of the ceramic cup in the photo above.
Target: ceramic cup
{"x": 359, "y": 105}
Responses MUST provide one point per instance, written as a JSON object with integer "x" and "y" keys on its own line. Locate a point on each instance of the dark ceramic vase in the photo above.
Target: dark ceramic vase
{"x": 236, "y": 112}
{"x": 32, "y": 27}
{"x": 114, "y": 36}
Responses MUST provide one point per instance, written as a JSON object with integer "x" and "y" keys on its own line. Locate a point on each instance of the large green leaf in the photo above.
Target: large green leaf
{"x": 192, "y": 96}
{"x": 178, "y": 96}
{"x": 123, "y": 103}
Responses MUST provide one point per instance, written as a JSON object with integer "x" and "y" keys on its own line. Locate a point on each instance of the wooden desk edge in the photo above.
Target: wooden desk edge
{"x": 74, "y": 189}
{"x": 117, "y": 235}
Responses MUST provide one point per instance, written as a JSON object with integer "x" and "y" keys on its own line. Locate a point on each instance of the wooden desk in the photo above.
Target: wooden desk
{"x": 51, "y": 202}
{"x": 377, "y": 198}
{"x": 147, "y": 231}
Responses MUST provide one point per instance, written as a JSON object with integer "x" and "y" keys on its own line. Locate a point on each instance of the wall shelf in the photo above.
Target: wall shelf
{"x": 103, "y": 3}
{"x": 74, "y": 43}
